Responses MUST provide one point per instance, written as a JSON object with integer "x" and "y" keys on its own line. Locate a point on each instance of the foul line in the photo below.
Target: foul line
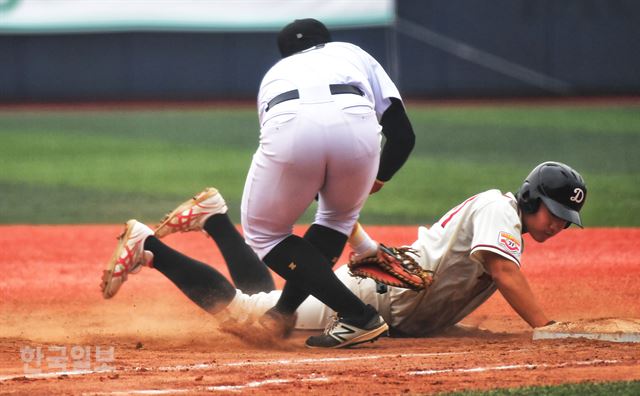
{"x": 216, "y": 388}
{"x": 514, "y": 367}
{"x": 202, "y": 366}
{"x": 205, "y": 366}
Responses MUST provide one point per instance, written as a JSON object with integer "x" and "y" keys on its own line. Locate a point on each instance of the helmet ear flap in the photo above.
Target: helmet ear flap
{"x": 525, "y": 201}
{"x": 532, "y": 205}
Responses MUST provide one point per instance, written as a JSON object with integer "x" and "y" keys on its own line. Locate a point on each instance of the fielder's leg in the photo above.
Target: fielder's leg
{"x": 330, "y": 243}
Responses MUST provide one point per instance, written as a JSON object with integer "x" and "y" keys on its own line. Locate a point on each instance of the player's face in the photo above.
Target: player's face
{"x": 543, "y": 224}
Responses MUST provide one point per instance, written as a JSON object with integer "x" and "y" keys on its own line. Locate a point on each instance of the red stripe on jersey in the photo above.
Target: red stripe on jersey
{"x": 459, "y": 208}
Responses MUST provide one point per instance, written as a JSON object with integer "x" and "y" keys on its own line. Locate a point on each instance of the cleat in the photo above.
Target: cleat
{"x": 340, "y": 333}
{"x": 128, "y": 258}
{"x": 192, "y": 214}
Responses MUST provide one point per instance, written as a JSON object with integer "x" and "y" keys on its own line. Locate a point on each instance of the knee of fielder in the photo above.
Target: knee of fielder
{"x": 329, "y": 241}
{"x": 340, "y": 223}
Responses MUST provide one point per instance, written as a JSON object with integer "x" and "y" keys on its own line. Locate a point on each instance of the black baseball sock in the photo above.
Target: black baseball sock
{"x": 248, "y": 272}
{"x": 300, "y": 263}
{"x": 201, "y": 283}
{"x": 328, "y": 241}
{"x": 331, "y": 244}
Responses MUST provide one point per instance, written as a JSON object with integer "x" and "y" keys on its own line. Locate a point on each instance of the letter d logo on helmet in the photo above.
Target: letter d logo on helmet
{"x": 560, "y": 187}
{"x": 579, "y": 197}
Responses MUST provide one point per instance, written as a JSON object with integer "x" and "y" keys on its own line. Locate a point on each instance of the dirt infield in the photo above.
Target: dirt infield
{"x": 57, "y": 334}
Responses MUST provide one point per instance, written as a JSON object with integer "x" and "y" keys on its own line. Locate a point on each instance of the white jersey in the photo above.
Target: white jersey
{"x": 325, "y": 64}
{"x": 451, "y": 249}
{"x": 485, "y": 222}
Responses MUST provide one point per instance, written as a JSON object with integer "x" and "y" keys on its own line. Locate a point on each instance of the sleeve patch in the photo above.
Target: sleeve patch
{"x": 509, "y": 242}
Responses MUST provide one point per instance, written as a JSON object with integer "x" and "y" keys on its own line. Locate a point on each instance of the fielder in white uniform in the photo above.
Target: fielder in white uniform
{"x": 322, "y": 144}
{"x": 473, "y": 250}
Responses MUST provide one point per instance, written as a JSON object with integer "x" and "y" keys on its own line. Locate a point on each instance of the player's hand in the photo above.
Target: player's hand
{"x": 377, "y": 185}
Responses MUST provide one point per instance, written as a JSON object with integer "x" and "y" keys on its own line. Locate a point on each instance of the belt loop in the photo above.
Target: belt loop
{"x": 335, "y": 89}
{"x": 315, "y": 94}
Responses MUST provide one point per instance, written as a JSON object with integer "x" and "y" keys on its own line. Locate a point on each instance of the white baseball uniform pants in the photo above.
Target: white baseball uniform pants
{"x": 322, "y": 144}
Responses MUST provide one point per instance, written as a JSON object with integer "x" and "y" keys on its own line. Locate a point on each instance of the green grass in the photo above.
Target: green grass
{"x": 107, "y": 166}
{"x": 629, "y": 388}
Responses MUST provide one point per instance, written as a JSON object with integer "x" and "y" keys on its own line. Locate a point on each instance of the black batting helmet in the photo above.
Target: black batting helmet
{"x": 561, "y": 188}
{"x": 302, "y": 34}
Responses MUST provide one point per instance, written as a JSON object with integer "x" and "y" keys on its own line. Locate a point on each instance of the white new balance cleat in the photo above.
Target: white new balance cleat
{"x": 192, "y": 214}
{"x": 341, "y": 333}
{"x": 128, "y": 258}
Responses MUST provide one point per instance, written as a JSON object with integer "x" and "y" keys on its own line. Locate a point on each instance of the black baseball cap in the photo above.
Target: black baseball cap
{"x": 302, "y": 34}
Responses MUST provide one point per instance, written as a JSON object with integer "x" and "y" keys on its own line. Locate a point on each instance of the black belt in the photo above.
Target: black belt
{"x": 334, "y": 88}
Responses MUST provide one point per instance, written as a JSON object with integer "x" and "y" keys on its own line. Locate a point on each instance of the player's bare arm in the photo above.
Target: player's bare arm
{"x": 516, "y": 290}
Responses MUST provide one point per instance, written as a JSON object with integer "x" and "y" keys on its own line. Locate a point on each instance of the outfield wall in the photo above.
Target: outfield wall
{"x": 438, "y": 49}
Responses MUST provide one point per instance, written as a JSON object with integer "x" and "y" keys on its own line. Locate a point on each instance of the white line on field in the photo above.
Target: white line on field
{"x": 201, "y": 366}
{"x": 141, "y": 392}
{"x": 256, "y": 384}
{"x": 513, "y": 367}
{"x": 216, "y": 388}
{"x": 205, "y": 366}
